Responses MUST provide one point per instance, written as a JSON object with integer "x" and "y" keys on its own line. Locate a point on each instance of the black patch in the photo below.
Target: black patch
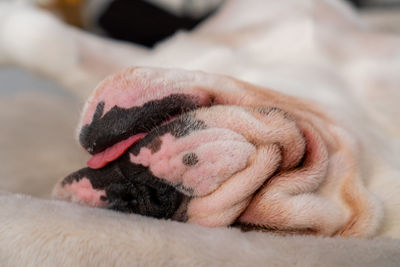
{"x": 267, "y": 111}
{"x": 142, "y": 192}
{"x": 155, "y": 200}
{"x": 119, "y": 123}
{"x": 99, "y": 111}
{"x": 100, "y": 178}
{"x": 181, "y": 214}
{"x": 131, "y": 188}
{"x": 190, "y": 159}
{"x": 155, "y": 145}
{"x": 180, "y": 127}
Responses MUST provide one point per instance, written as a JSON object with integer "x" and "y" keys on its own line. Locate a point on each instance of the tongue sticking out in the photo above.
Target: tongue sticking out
{"x": 112, "y": 153}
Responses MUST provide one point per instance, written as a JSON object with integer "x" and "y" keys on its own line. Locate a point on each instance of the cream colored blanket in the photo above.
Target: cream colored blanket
{"x": 42, "y": 233}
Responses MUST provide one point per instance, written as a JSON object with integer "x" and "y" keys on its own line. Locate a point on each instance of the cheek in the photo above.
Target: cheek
{"x": 198, "y": 163}
{"x": 81, "y": 192}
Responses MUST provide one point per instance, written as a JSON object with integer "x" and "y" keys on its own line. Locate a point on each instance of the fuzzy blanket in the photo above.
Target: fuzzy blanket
{"x": 321, "y": 46}
{"x": 65, "y": 234}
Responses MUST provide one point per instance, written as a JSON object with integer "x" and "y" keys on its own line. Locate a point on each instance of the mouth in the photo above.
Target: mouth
{"x": 122, "y": 187}
{"x": 110, "y": 135}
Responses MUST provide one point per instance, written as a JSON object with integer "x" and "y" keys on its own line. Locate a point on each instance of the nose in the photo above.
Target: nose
{"x": 126, "y": 187}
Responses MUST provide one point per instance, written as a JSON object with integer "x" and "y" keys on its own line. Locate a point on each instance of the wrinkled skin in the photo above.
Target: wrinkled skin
{"x": 215, "y": 151}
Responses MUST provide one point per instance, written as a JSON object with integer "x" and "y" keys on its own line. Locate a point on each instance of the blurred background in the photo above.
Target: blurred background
{"x": 32, "y": 108}
{"x": 124, "y": 19}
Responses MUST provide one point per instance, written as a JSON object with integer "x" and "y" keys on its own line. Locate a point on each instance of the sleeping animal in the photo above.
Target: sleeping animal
{"x": 215, "y": 151}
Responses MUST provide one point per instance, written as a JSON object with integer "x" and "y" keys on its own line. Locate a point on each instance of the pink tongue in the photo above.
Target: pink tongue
{"x": 112, "y": 153}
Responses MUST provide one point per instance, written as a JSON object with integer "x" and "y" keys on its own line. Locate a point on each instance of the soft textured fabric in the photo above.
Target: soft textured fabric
{"x": 52, "y": 233}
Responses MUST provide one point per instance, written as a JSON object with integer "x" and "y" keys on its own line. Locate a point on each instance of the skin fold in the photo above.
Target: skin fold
{"x": 347, "y": 138}
{"x": 216, "y": 151}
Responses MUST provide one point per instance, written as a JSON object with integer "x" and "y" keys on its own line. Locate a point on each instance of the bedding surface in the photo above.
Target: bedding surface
{"x": 65, "y": 234}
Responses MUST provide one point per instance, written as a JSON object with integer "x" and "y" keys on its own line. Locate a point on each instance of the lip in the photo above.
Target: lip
{"x": 113, "y": 152}
{"x": 101, "y": 159}
{"x": 112, "y": 141}
{"x": 119, "y": 124}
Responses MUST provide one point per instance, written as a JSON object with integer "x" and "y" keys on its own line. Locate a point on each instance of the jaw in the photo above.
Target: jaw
{"x": 311, "y": 182}
{"x": 121, "y": 186}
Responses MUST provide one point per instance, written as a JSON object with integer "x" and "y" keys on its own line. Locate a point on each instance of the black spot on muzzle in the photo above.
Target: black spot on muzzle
{"x": 190, "y": 159}
{"x": 120, "y": 123}
{"x": 131, "y": 188}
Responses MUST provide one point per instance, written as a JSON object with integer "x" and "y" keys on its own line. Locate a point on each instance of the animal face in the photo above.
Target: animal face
{"x": 215, "y": 151}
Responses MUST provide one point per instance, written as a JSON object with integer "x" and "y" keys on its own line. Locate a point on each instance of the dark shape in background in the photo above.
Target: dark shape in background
{"x": 142, "y": 22}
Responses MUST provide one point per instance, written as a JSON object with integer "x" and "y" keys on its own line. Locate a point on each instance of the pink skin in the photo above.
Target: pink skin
{"x": 128, "y": 89}
{"x": 82, "y": 192}
{"x": 223, "y": 206}
{"x": 286, "y": 192}
{"x": 279, "y": 143}
{"x": 220, "y": 153}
